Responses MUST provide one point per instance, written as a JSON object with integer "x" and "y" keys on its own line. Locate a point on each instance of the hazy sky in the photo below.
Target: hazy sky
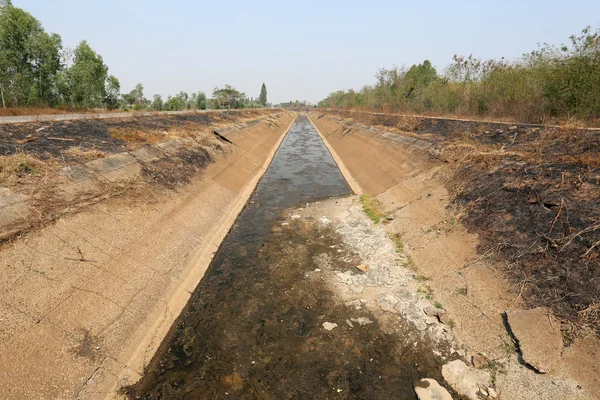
{"x": 302, "y": 50}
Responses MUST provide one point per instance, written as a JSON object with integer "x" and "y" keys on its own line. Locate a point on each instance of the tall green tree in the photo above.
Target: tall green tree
{"x": 201, "y": 101}
{"x": 262, "y": 99}
{"x": 113, "y": 92}
{"x": 29, "y": 59}
{"x": 138, "y": 93}
{"x": 87, "y": 77}
{"x": 157, "y": 104}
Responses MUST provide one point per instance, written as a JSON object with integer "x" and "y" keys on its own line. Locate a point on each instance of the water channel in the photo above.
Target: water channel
{"x": 253, "y": 328}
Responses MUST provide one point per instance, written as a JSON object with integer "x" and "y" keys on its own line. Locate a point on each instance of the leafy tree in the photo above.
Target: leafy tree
{"x": 129, "y": 98}
{"x": 175, "y": 103}
{"x": 157, "y": 104}
{"x": 29, "y": 59}
{"x": 215, "y": 104}
{"x": 87, "y": 77}
{"x": 201, "y": 101}
{"x": 229, "y": 97}
{"x": 113, "y": 92}
{"x": 262, "y": 99}
{"x": 138, "y": 93}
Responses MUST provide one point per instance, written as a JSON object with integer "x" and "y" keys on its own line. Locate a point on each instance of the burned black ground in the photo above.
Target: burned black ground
{"x": 532, "y": 193}
{"x": 52, "y": 139}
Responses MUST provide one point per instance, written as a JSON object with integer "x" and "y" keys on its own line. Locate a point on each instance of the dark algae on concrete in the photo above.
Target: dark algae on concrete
{"x": 254, "y": 326}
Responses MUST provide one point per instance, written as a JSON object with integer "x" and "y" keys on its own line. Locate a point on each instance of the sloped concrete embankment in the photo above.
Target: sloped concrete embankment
{"x": 87, "y": 301}
{"x": 79, "y": 185}
{"x": 404, "y": 174}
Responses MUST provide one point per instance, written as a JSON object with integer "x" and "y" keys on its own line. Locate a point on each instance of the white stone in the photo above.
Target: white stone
{"x": 429, "y": 389}
{"x": 387, "y": 302}
{"x": 464, "y": 379}
{"x": 329, "y": 326}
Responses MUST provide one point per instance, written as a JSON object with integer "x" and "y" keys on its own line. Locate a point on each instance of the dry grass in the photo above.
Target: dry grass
{"x": 20, "y": 165}
{"x": 135, "y": 135}
{"x": 153, "y": 136}
{"x": 82, "y": 155}
{"x": 271, "y": 122}
{"x": 407, "y": 123}
{"x": 591, "y": 315}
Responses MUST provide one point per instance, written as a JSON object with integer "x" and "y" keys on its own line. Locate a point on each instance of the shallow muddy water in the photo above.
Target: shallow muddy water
{"x": 254, "y": 327}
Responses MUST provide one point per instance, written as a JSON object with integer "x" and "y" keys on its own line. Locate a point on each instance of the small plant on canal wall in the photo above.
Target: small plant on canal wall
{"x": 372, "y": 208}
{"x": 398, "y": 242}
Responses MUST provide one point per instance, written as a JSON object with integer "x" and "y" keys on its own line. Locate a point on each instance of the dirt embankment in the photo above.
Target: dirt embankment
{"x": 43, "y": 165}
{"x": 87, "y": 299}
{"x": 494, "y": 217}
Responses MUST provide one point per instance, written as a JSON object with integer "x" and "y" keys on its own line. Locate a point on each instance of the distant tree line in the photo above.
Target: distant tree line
{"x": 36, "y": 70}
{"x": 295, "y": 104}
{"x": 547, "y": 84}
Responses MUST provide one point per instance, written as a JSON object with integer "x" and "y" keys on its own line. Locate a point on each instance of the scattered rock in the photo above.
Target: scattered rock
{"x": 357, "y": 288}
{"x": 329, "y": 326}
{"x": 538, "y": 336}
{"x": 512, "y": 128}
{"x": 492, "y": 393}
{"x": 376, "y": 277}
{"x": 429, "y": 389}
{"x": 362, "y": 267}
{"x": 296, "y": 216}
{"x": 479, "y": 361}
{"x": 464, "y": 379}
{"x": 443, "y": 317}
{"x": 387, "y": 302}
{"x": 354, "y": 303}
{"x": 405, "y": 295}
{"x": 324, "y": 221}
{"x": 432, "y": 311}
{"x": 346, "y": 278}
{"x": 351, "y": 280}
{"x": 285, "y": 224}
{"x": 317, "y": 269}
{"x": 413, "y": 314}
{"x": 349, "y": 323}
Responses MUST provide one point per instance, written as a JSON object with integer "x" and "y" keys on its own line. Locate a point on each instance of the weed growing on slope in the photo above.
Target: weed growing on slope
{"x": 397, "y": 239}
{"x": 372, "y": 208}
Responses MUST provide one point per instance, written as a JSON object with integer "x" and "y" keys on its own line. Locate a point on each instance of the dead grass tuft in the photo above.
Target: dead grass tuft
{"x": 134, "y": 135}
{"x": 407, "y": 123}
{"x": 19, "y": 165}
{"x": 82, "y": 155}
{"x": 591, "y": 315}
